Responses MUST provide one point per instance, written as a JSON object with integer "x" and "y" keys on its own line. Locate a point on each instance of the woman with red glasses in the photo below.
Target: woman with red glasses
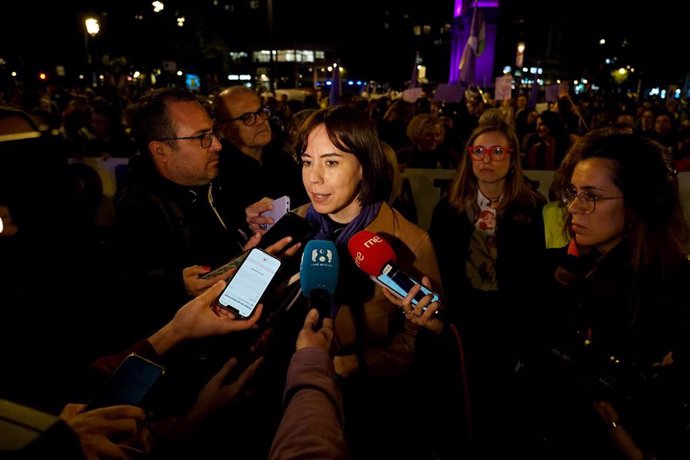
{"x": 488, "y": 234}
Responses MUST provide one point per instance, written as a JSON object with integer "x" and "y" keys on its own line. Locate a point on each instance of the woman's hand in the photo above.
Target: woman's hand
{"x": 424, "y": 313}
{"x": 253, "y": 216}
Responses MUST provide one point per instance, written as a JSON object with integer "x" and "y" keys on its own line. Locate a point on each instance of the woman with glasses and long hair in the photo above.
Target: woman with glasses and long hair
{"x": 486, "y": 231}
{"x": 614, "y": 375}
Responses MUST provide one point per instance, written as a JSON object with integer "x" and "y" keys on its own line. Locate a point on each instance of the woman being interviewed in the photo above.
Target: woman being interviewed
{"x": 347, "y": 178}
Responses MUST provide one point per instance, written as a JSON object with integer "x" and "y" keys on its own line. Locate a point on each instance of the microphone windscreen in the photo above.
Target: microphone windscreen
{"x": 320, "y": 267}
{"x": 370, "y": 252}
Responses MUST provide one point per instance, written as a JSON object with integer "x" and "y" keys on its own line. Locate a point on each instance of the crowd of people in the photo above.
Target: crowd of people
{"x": 575, "y": 351}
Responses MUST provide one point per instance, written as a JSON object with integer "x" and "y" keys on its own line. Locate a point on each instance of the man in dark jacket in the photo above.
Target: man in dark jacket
{"x": 251, "y": 165}
{"x": 171, "y": 225}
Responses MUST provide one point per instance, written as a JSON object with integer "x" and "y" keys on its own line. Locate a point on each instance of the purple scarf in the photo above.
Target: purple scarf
{"x": 324, "y": 226}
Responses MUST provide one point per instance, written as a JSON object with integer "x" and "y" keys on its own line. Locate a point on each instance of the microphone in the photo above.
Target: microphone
{"x": 319, "y": 271}
{"x": 375, "y": 257}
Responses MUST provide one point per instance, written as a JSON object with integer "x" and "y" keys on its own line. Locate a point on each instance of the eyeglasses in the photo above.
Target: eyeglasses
{"x": 497, "y": 152}
{"x": 250, "y": 118}
{"x": 205, "y": 139}
{"x": 585, "y": 200}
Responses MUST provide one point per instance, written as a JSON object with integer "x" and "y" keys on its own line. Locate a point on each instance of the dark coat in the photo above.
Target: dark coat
{"x": 245, "y": 181}
{"x": 604, "y": 333}
{"x": 491, "y": 324}
{"x": 160, "y": 228}
{"x": 519, "y": 241}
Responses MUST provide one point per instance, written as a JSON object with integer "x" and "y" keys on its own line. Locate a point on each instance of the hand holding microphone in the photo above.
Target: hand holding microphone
{"x": 319, "y": 275}
{"x": 374, "y": 256}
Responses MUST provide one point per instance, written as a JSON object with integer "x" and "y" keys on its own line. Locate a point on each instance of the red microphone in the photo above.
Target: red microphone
{"x": 370, "y": 252}
{"x": 375, "y": 257}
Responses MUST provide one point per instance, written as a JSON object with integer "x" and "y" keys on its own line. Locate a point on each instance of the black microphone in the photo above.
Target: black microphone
{"x": 319, "y": 275}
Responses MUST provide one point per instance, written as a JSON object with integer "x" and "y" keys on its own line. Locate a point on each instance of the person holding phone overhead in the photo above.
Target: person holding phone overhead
{"x": 346, "y": 175}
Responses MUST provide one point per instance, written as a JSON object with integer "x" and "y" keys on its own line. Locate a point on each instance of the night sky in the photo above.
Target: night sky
{"x": 551, "y": 28}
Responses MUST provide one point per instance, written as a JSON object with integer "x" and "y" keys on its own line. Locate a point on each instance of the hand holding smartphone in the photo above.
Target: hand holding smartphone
{"x": 128, "y": 384}
{"x": 281, "y": 206}
{"x": 246, "y": 288}
{"x": 289, "y": 225}
{"x": 400, "y": 284}
{"x": 234, "y": 263}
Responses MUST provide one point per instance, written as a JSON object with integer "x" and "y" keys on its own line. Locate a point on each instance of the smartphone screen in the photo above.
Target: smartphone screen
{"x": 281, "y": 206}
{"x": 400, "y": 284}
{"x": 251, "y": 280}
{"x": 128, "y": 384}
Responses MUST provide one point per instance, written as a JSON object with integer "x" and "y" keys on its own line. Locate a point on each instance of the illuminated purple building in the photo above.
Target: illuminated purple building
{"x": 462, "y": 14}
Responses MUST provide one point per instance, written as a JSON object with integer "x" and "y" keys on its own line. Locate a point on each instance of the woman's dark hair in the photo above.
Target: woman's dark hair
{"x": 352, "y": 131}
{"x": 643, "y": 171}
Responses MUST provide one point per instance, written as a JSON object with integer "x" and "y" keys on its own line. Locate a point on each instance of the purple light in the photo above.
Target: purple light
{"x": 463, "y": 5}
{"x": 484, "y": 65}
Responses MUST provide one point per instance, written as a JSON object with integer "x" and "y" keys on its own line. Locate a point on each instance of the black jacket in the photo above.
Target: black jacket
{"x": 519, "y": 241}
{"x": 604, "y": 331}
{"x": 245, "y": 181}
{"x": 160, "y": 228}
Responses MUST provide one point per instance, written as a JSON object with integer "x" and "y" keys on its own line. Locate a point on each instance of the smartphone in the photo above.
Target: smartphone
{"x": 128, "y": 384}
{"x": 400, "y": 283}
{"x": 248, "y": 285}
{"x": 234, "y": 263}
{"x": 281, "y": 206}
{"x": 290, "y": 224}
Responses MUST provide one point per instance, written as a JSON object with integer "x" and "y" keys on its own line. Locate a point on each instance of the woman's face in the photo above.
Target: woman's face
{"x": 488, "y": 170}
{"x": 603, "y": 228}
{"x": 331, "y": 177}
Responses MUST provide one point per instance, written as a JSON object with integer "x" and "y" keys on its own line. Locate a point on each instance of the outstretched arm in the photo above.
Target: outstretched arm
{"x": 312, "y": 425}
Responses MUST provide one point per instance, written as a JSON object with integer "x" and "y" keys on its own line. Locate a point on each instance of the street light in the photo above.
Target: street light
{"x": 92, "y": 27}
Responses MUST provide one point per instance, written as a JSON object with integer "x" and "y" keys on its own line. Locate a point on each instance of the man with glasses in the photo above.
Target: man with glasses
{"x": 171, "y": 225}
{"x": 251, "y": 165}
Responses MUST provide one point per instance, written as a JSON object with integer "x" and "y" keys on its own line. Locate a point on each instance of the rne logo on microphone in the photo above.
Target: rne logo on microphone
{"x": 359, "y": 258}
{"x": 322, "y": 256}
{"x": 372, "y": 241}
